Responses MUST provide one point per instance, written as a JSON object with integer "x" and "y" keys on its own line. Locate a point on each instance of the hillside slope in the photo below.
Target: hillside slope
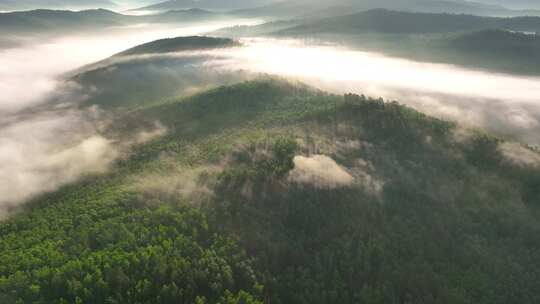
{"x": 269, "y": 191}
{"x": 519, "y": 4}
{"x": 386, "y": 21}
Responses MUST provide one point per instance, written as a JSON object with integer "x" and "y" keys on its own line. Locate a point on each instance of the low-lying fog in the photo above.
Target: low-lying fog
{"x": 43, "y": 147}
{"x": 505, "y": 104}
{"x": 41, "y": 150}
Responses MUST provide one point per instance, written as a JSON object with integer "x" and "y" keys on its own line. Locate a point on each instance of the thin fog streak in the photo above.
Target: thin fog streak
{"x": 507, "y": 104}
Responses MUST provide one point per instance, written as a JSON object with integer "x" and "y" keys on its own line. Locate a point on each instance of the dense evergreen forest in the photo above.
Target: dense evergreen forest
{"x": 273, "y": 192}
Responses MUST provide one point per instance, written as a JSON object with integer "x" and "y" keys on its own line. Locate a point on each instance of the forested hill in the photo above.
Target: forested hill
{"x": 160, "y": 76}
{"x": 179, "y": 44}
{"x": 386, "y": 21}
{"x": 270, "y": 191}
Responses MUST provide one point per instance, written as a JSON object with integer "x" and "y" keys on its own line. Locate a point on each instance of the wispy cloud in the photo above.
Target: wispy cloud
{"x": 320, "y": 171}
{"x": 40, "y": 152}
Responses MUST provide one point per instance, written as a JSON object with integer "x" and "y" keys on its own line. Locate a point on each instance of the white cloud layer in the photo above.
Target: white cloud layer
{"x": 505, "y": 104}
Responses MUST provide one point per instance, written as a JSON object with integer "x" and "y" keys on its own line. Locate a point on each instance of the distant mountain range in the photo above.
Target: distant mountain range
{"x": 316, "y": 8}
{"x": 158, "y": 77}
{"x": 386, "y": 21}
{"x": 11, "y": 5}
{"x": 514, "y": 4}
{"x": 44, "y": 21}
{"x": 18, "y": 5}
{"x": 205, "y": 4}
{"x": 292, "y": 8}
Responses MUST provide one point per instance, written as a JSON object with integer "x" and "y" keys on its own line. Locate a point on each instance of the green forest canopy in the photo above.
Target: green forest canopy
{"x": 430, "y": 217}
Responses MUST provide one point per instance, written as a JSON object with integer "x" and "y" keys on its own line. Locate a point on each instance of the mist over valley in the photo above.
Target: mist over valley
{"x": 269, "y": 151}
